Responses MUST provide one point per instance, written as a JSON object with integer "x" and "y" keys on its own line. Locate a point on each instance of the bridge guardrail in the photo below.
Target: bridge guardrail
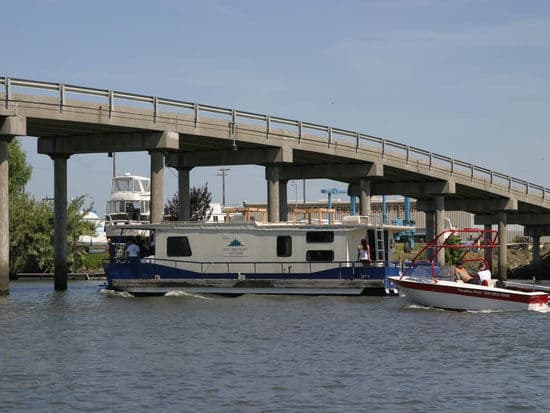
{"x": 407, "y": 152}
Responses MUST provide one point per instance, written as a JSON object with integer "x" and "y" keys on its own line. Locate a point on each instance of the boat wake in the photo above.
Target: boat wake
{"x": 423, "y": 307}
{"x": 185, "y": 294}
{"x": 114, "y": 293}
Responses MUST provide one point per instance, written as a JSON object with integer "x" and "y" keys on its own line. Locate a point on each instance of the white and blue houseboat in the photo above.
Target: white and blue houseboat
{"x": 234, "y": 258}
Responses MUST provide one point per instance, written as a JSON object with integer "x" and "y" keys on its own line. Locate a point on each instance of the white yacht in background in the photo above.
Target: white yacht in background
{"x": 129, "y": 204}
{"x": 98, "y": 241}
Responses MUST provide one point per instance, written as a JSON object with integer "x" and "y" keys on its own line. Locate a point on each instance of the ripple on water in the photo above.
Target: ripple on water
{"x": 84, "y": 350}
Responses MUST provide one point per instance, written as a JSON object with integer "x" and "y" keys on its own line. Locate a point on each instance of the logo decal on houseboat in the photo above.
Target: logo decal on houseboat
{"x": 235, "y": 249}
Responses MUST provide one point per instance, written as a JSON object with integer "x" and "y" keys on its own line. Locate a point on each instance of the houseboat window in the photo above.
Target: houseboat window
{"x": 320, "y": 236}
{"x": 320, "y": 255}
{"x": 284, "y": 246}
{"x": 178, "y": 247}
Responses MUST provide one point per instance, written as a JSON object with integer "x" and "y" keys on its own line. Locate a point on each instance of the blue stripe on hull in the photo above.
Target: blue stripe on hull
{"x": 139, "y": 270}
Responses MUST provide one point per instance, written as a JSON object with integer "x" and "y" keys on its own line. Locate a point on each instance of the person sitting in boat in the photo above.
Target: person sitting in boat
{"x": 132, "y": 250}
{"x": 484, "y": 273}
{"x": 463, "y": 275}
{"x": 364, "y": 252}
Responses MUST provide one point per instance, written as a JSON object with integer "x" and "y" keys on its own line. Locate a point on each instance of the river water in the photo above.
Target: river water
{"x": 86, "y": 350}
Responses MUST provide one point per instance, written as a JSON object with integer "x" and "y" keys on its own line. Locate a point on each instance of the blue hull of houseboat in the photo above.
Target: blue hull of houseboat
{"x": 152, "y": 278}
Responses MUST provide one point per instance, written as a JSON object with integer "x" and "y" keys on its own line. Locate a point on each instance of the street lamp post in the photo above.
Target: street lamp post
{"x": 223, "y": 174}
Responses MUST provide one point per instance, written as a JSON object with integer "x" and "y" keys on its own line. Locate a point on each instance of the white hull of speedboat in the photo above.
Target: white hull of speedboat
{"x": 459, "y": 296}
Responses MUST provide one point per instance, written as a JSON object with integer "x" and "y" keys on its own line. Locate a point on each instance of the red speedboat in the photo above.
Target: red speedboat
{"x": 424, "y": 283}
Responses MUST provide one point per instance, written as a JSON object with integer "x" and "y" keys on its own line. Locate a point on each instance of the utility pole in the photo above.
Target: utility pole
{"x": 113, "y": 155}
{"x": 295, "y": 185}
{"x": 223, "y": 174}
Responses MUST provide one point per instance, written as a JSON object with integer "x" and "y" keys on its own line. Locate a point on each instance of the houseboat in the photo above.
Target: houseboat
{"x": 239, "y": 257}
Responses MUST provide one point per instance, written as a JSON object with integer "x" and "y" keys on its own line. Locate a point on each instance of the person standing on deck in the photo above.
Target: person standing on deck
{"x": 364, "y": 252}
{"x": 132, "y": 250}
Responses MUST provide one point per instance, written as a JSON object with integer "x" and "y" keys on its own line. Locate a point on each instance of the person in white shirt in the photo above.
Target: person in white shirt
{"x": 364, "y": 252}
{"x": 484, "y": 273}
{"x": 132, "y": 250}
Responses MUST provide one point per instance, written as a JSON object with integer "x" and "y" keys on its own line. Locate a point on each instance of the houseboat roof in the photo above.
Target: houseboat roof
{"x": 255, "y": 225}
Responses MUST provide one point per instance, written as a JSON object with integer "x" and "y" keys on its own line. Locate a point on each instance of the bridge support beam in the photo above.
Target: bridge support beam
{"x": 533, "y": 222}
{"x": 535, "y": 232}
{"x": 439, "y": 225}
{"x": 338, "y": 172}
{"x": 430, "y": 232}
{"x": 157, "y": 186}
{"x": 184, "y": 205}
{"x": 503, "y": 243}
{"x": 283, "y": 201}
{"x": 414, "y": 189}
{"x": 116, "y": 142}
{"x": 4, "y": 218}
{"x": 10, "y": 127}
{"x": 473, "y": 205}
{"x": 364, "y": 197}
{"x": 535, "y": 254}
{"x": 60, "y": 220}
{"x": 488, "y": 252}
{"x": 273, "y": 202}
{"x": 228, "y": 157}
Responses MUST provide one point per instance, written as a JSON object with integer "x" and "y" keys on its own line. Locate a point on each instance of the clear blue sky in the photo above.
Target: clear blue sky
{"x": 464, "y": 78}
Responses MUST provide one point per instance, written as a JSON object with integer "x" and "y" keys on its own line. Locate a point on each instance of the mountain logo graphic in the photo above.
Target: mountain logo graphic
{"x": 235, "y": 243}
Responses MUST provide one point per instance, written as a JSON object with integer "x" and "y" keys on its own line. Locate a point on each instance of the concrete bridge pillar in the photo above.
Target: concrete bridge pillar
{"x": 60, "y": 220}
{"x": 503, "y": 243}
{"x": 440, "y": 225}
{"x": 283, "y": 201}
{"x": 535, "y": 251}
{"x": 430, "y": 232}
{"x": 272, "y": 175}
{"x": 4, "y": 218}
{"x": 184, "y": 207}
{"x": 488, "y": 252}
{"x": 10, "y": 127}
{"x": 157, "y": 184}
{"x": 364, "y": 197}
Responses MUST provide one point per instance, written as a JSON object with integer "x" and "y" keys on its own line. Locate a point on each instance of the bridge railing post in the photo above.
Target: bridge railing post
{"x": 8, "y": 91}
{"x": 196, "y": 113}
{"x": 61, "y": 97}
{"x": 111, "y": 103}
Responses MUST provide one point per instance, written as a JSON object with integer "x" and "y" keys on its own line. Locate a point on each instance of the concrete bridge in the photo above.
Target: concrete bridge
{"x": 70, "y": 119}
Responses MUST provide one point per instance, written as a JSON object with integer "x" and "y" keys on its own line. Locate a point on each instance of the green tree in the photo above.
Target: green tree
{"x": 19, "y": 171}
{"x": 31, "y": 235}
{"x": 31, "y": 223}
{"x": 199, "y": 200}
{"x": 76, "y": 226}
{"x": 453, "y": 254}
